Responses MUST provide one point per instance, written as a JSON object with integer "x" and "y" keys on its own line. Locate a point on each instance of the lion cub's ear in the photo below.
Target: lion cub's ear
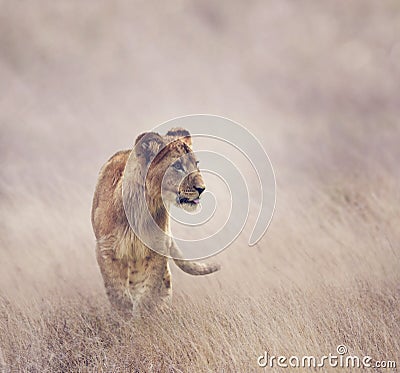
{"x": 147, "y": 146}
{"x": 181, "y": 134}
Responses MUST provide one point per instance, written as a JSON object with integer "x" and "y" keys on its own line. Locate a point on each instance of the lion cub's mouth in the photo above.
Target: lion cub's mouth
{"x": 185, "y": 200}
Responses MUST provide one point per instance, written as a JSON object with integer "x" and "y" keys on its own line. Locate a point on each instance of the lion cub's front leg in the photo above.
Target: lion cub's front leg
{"x": 151, "y": 286}
{"x": 114, "y": 273}
{"x": 135, "y": 285}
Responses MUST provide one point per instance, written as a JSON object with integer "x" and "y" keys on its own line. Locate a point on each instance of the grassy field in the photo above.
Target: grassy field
{"x": 318, "y": 84}
{"x": 206, "y": 334}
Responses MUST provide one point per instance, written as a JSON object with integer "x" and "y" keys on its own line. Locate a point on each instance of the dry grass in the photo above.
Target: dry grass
{"x": 314, "y": 285}
{"x": 208, "y": 334}
{"x": 317, "y": 83}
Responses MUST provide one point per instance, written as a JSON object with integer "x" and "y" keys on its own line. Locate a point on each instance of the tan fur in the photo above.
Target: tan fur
{"x": 136, "y": 277}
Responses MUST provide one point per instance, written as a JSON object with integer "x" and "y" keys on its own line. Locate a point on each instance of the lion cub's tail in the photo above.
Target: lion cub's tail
{"x": 193, "y": 268}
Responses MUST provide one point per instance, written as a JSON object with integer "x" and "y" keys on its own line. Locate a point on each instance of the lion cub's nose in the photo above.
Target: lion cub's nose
{"x": 200, "y": 188}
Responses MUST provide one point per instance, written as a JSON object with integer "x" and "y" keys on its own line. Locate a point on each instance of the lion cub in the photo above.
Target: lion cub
{"x": 136, "y": 277}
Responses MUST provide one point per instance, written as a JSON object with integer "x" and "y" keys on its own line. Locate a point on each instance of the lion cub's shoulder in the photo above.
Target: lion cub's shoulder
{"x": 106, "y": 204}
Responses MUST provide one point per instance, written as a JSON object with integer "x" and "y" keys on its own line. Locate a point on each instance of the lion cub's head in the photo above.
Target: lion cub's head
{"x": 170, "y": 168}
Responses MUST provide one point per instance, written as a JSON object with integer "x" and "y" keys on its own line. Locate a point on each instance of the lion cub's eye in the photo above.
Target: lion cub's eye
{"x": 178, "y": 166}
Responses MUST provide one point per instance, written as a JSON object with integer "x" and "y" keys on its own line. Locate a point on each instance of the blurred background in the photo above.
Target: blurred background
{"x": 317, "y": 83}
